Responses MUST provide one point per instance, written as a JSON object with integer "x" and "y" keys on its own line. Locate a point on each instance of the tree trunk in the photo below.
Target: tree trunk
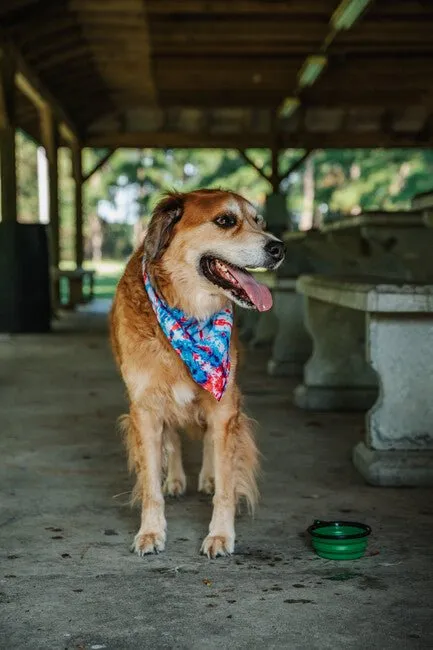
{"x": 96, "y": 238}
{"x": 307, "y": 215}
{"x": 139, "y": 232}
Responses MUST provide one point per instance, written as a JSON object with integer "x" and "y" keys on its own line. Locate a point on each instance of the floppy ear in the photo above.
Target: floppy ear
{"x": 166, "y": 214}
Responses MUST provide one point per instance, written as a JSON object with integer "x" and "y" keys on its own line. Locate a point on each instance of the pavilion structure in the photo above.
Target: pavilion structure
{"x": 279, "y": 74}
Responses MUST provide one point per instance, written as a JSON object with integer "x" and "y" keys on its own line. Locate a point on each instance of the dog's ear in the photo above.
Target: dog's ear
{"x": 166, "y": 214}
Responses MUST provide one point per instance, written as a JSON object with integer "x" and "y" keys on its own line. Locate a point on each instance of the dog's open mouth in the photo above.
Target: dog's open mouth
{"x": 241, "y": 285}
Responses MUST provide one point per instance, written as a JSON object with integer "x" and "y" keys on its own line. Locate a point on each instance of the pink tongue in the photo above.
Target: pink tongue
{"x": 258, "y": 293}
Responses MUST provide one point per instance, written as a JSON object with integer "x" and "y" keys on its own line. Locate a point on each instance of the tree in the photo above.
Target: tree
{"x": 119, "y": 198}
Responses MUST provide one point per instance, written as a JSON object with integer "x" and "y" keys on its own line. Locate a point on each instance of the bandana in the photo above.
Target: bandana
{"x": 203, "y": 345}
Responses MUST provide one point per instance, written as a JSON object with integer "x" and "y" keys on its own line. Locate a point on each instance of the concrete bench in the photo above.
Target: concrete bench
{"x": 373, "y": 347}
{"x": 424, "y": 202}
{"x": 389, "y": 244}
{"x": 292, "y": 344}
{"x": 80, "y": 286}
{"x": 258, "y": 329}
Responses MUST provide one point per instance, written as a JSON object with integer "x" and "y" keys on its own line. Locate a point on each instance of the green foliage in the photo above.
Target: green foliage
{"x": 27, "y": 193}
{"x": 346, "y": 182}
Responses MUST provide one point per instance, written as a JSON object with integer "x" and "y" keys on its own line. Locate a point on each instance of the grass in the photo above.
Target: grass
{"x": 107, "y": 275}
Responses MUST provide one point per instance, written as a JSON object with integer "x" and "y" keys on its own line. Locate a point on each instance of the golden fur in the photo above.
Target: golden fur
{"x": 162, "y": 395}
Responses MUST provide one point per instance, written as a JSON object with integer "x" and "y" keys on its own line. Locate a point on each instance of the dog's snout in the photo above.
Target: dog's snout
{"x": 276, "y": 249}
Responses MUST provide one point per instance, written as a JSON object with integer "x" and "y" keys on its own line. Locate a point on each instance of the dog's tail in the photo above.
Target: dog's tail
{"x": 131, "y": 440}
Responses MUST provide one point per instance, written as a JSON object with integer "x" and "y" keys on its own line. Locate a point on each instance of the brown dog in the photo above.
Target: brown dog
{"x": 196, "y": 250}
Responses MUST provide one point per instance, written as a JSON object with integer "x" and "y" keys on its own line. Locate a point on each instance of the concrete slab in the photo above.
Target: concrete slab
{"x": 69, "y": 582}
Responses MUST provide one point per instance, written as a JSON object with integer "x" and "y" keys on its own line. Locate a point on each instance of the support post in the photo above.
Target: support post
{"x": 275, "y": 168}
{"x": 49, "y": 130}
{"x": 275, "y": 208}
{"x": 101, "y": 162}
{"x": 7, "y": 137}
{"x": 24, "y": 281}
{"x": 251, "y": 162}
{"x": 77, "y": 167}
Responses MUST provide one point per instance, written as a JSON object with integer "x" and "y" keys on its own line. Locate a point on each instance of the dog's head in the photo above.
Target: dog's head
{"x": 213, "y": 237}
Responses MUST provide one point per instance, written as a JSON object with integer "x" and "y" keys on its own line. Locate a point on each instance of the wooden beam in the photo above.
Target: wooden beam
{"x": 275, "y": 169}
{"x": 77, "y": 171}
{"x": 295, "y": 165}
{"x": 230, "y": 7}
{"x": 275, "y": 153}
{"x": 15, "y": 17}
{"x": 101, "y": 162}
{"x": 135, "y": 67}
{"x": 304, "y": 140}
{"x": 28, "y": 82}
{"x": 386, "y": 122}
{"x": 174, "y": 139}
{"x": 426, "y": 132}
{"x": 251, "y": 162}
{"x": 8, "y": 176}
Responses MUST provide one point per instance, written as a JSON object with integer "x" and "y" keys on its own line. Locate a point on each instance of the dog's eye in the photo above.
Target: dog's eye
{"x": 225, "y": 221}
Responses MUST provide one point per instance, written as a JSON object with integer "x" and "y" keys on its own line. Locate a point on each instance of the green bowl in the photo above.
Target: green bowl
{"x": 339, "y": 540}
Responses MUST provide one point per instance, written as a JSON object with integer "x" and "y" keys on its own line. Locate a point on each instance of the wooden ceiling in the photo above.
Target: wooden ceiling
{"x": 214, "y": 72}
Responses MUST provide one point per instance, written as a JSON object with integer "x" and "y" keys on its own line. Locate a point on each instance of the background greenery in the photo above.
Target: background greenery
{"x": 332, "y": 184}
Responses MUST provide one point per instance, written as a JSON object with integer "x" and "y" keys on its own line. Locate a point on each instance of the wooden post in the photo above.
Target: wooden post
{"x": 50, "y": 138}
{"x": 77, "y": 167}
{"x": 7, "y": 137}
{"x": 50, "y": 141}
{"x": 275, "y": 169}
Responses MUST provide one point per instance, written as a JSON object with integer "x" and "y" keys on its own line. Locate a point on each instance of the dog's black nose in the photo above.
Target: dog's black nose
{"x": 276, "y": 249}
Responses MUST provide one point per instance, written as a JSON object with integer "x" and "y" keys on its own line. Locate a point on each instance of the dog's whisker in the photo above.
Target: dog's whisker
{"x": 116, "y": 496}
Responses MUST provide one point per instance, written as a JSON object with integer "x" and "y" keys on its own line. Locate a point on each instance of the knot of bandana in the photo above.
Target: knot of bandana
{"x": 203, "y": 345}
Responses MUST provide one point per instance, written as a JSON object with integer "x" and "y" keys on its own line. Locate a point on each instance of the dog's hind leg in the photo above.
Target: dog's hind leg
{"x": 145, "y": 448}
{"x": 206, "y": 479}
{"x": 175, "y": 480}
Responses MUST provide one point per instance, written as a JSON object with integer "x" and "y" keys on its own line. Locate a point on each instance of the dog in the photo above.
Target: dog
{"x": 190, "y": 269}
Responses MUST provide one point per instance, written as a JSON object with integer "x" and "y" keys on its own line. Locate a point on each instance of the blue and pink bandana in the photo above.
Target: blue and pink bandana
{"x": 203, "y": 346}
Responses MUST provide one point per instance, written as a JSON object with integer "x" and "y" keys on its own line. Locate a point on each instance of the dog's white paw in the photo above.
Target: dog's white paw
{"x": 218, "y": 545}
{"x": 145, "y": 543}
{"x": 174, "y": 486}
{"x": 206, "y": 484}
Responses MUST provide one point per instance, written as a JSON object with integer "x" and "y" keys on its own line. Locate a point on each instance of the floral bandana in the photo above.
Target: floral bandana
{"x": 203, "y": 345}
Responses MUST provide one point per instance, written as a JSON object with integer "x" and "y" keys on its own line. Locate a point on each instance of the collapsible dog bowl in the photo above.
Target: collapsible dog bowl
{"x": 339, "y": 540}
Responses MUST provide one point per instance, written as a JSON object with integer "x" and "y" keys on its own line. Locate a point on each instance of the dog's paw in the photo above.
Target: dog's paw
{"x": 146, "y": 543}
{"x": 174, "y": 486}
{"x": 215, "y": 545}
{"x": 206, "y": 484}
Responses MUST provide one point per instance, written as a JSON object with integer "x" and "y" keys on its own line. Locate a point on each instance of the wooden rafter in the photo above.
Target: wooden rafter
{"x": 101, "y": 162}
{"x": 121, "y": 55}
{"x": 77, "y": 171}
{"x": 251, "y": 162}
{"x": 28, "y": 82}
{"x": 7, "y": 138}
{"x": 50, "y": 141}
{"x": 306, "y": 140}
{"x": 296, "y": 165}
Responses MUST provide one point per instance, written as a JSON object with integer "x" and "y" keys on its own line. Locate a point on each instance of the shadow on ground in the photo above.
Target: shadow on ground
{"x": 69, "y": 582}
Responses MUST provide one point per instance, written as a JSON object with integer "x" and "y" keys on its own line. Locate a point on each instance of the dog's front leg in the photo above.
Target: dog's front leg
{"x": 235, "y": 466}
{"x": 146, "y": 441}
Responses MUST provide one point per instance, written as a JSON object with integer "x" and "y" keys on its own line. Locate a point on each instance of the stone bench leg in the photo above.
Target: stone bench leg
{"x": 337, "y": 377}
{"x": 247, "y": 324}
{"x": 292, "y": 344}
{"x": 266, "y": 329}
{"x": 398, "y": 449}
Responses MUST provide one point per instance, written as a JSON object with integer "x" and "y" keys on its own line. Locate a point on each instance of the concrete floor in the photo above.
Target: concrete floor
{"x": 68, "y": 580}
